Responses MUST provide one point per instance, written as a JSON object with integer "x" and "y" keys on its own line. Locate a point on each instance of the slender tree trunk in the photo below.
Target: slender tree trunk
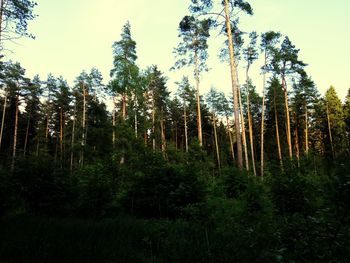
{"x": 306, "y": 132}
{"x": 244, "y": 137}
{"x": 286, "y": 103}
{"x": 330, "y": 132}
{"x": 176, "y": 135}
{"x": 296, "y": 139}
{"x": 72, "y": 141}
{"x": 250, "y": 124}
{"x": 199, "y": 117}
{"x": 124, "y": 105}
{"x": 251, "y": 137}
{"x": 263, "y": 122}
{"x": 185, "y": 124}
{"x": 26, "y": 137}
{"x": 15, "y": 136}
{"x": 3, "y": 117}
{"x": 234, "y": 85}
{"x": 230, "y": 138}
{"x": 216, "y": 143}
{"x": 277, "y": 132}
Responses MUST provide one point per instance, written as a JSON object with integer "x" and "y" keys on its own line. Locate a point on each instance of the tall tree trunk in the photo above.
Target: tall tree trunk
{"x": 3, "y": 118}
{"x": 244, "y": 137}
{"x": 277, "y": 131}
{"x": 250, "y": 124}
{"x": 216, "y": 143}
{"x": 330, "y": 132}
{"x": 185, "y": 124}
{"x": 72, "y": 141}
{"x": 26, "y": 137}
{"x": 306, "y": 132}
{"x": 15, "y": 136}
{"x": 230, "y": 137}
{"x": 286, "y": 103}
{"x": 296, "y": 139}
{"x": 234, "y": 85}
{"x": 263, "y": 121}
{"x": 199, "y": 117}
{"x": 123, "y": 105}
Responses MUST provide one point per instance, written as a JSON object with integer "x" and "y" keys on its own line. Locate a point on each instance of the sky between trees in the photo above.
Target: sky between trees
{"x": 76, "y": 35}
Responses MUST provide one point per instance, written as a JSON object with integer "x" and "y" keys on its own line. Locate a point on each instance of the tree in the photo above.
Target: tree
{"x": 14, "y": 17}
{"x": 250, "y": 55}
{"x": 285, "y": 63}
{"x": 192, "y": 50}
{"x": 125, "y": 71}
{"x": 268, "y": 40}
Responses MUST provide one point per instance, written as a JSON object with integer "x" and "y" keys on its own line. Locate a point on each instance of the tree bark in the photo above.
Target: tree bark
{"x": 250, "y": 124}
{"x": 199, "y": 117}
{"x": 185, "y": 124}
{"x": 244, "y": 137}
{"x": 81, "y": 161}
{"x": 153, "y": 123}
{"x": 296, "y": 139}
{"x": 277, "y": 132}
{"x": 286, "y": 103}
{"x": 61, "y": 135}
{"x": 234, "y": 85}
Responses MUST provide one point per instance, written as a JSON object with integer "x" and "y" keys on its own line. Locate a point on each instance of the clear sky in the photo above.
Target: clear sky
{"x": 72, "y": 35}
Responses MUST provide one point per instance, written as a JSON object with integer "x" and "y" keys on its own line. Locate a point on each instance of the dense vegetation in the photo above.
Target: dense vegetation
{"x": 161, "y": 177}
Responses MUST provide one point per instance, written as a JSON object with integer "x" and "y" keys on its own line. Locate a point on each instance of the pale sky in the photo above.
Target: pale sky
{"x": 72, "y": 35}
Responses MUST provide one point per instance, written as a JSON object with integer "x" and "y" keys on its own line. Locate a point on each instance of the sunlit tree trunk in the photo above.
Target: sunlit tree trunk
{"x": 2, "y": 3}
{"x": 185, "y": 124}
{"x": 234, "y": 85}
{"x": 199, "y": 117}
{"x": 113, "y": 123}
{"x": 244, "y": 137}
{"x": 135, "y": 118}
{"x": 3, "y": 118}
{"x": 277, "y": 132}
{"x": 124, "y": 105}
{"x": 286, "y": 103}
{"x": 250, "y": 124}
{"x": 15, "y": 136}
{"x": 296, "y": 139}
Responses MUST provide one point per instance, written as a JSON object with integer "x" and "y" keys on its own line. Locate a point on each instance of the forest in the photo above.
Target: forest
{"x": 124, "y": 170}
